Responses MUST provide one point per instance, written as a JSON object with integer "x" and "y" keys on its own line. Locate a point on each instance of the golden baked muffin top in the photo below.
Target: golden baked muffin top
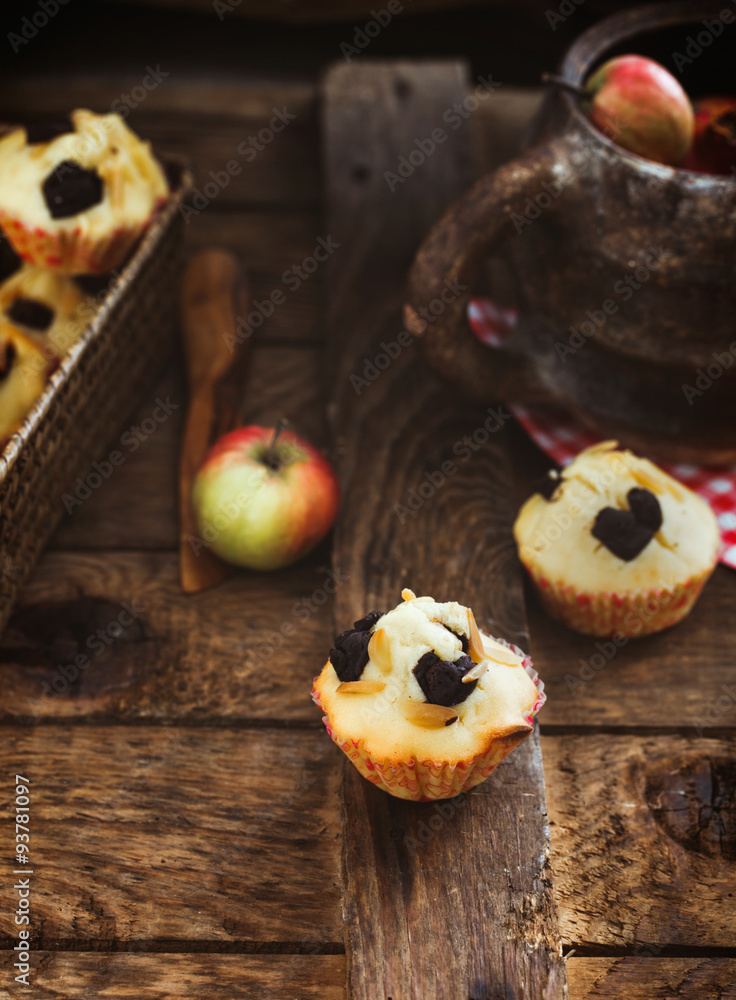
{"x": 611, "y": 521}
{"x": 422, "y": 681}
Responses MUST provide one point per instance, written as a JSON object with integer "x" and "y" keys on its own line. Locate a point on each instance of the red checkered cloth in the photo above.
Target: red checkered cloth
{"x": 561, "y": 436}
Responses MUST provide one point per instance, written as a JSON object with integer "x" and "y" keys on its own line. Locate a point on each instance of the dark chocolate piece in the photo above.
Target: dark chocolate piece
{"x": 31, "y": 313}
{"x": 7, "y": 357}
{"x": 46, "y": 129}
{"x": 621, "y": 533}
{"x": 366, "y": 623}
{"x": 547, "y": 485}
{"x": 442, "y": 681}
{"x": 350, "y": 654}
{"x": 645, "y": 507}
{"x": 70, "y": 189}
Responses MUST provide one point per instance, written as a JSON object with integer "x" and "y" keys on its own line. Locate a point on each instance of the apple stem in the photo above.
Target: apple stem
{"x": 271, "y": 453}
{"x": 560, "y": 81}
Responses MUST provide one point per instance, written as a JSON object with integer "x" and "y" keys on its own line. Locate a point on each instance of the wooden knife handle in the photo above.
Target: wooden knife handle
{"x": 214, "y": 295}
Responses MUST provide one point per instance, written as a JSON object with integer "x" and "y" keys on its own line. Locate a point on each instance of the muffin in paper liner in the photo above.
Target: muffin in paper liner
{"x": 614, "y": 545}
{"x": 69, "y": 251}
{"x": 627, "y": 614}
{"x": 495, "y": 729}
{"x": 77, "y": 192}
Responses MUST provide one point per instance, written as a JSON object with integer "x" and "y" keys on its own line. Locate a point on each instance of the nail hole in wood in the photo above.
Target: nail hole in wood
{"x": 360, "y": 173}
{"x": 402, "y": 89}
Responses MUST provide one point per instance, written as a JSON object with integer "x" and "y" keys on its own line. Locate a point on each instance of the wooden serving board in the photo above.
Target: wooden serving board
{"x": 448, "y": 900}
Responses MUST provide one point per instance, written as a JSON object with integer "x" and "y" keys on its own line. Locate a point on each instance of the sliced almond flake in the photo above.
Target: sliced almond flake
{"x": 502, "y": 654}
{"x": 379, "y": 651}
{"x": 360, "y": 687}
{"x": 659, "y": 537}
{"x": 408, "y": 595}
{"x": 475, "y": 642}
{"x": 603, "y": 446}
{"x": 656, "y": 483}
{"x": 428, "y": 716}
{"x": 477, "y": 671}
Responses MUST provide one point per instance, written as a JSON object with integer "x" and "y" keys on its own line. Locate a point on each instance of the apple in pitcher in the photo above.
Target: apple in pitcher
{"x": 264, "y": 497}
{"x": 640, "y": 106}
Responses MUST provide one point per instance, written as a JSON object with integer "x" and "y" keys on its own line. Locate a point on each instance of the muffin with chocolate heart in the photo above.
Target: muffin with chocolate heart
{"x": 614, "y": 545}
{"x": 23, "y": 375}
{"x": 77, "y": 191}
{"x": 48, "y": 307}
{"x": 423, "y": 703}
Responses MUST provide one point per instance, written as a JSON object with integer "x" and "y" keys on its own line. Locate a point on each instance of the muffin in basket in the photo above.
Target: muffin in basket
{"x": 424, "y": 704}
{"x": 77, "y": 192}
{"x": 48, "y": 307}
{"x": 615, "y": 546}
{"x": 23, "y": 375}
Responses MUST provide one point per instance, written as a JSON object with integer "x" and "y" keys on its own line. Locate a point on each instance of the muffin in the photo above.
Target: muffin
{"x": 615, "y": 546}
{"x": 23, "y": 374}
{"x": 77, "y": 192}
{"x": 424, "y": 704}
{"x": 48, "y": 307}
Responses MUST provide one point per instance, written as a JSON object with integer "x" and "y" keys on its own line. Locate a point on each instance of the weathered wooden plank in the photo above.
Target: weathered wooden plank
{"x": 136, "y": 507}
{"x": 643, "y": 839}
{"x": 419, "y": 924}
{"x": 79, "y": 975}
{"x": 210, "y": 123}
{"x": 638, "y": 978}
{"x": 184, "y": 835}
{"x": 245, "y": 650}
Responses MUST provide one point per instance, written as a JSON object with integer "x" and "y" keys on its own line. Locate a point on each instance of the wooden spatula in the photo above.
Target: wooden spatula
{"x": 214, "y": 295}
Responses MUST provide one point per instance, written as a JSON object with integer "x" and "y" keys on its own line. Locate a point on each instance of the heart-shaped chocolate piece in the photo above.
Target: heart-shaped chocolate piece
{"x": 626, "y": 533}
{"x": 646, "y": 507}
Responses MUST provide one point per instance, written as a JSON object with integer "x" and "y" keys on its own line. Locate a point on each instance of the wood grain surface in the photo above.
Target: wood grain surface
{"x": 175, "y": 835}
{"x": 187, "y": 977}
{"x": 639, "y": 978}
{"x": 479, "y": 864}
{"x": 170, "y": 664}
{"x": 643, "y": 839}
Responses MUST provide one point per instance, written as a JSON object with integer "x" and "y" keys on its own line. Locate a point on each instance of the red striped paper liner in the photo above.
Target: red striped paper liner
{"x": 631, "y": 614}
{"x": 68, "y": 251}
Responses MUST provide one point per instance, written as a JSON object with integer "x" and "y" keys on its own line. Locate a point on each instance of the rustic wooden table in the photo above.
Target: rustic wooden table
{"x": 188, "y": 836}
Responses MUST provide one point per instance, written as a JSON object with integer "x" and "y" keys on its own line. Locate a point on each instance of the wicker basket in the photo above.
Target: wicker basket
{"x": 90, "y": 395}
